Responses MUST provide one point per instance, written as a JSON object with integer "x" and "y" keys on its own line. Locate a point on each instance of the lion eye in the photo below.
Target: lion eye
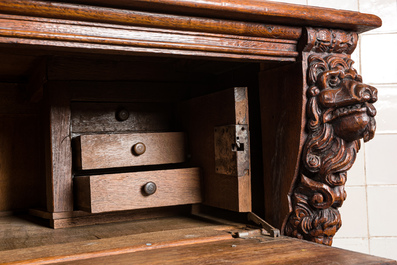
{"x": 333, "y": 81}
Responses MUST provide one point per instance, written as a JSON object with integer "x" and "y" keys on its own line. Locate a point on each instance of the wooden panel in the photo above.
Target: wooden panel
{"x": 101, "y": 117}
{"x": 115, "y": 192}
{"x": 58, "y": 150}
{"x": 282, "y": 109}
{"x": 115, "y": 150}
{"x": 127, "y": 39}
{"x": 200, "y": 116}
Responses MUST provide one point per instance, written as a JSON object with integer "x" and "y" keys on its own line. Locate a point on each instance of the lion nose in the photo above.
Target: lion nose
{"x": 365, "y": 93}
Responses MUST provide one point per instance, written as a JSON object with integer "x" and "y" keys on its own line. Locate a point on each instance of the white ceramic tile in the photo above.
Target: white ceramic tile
{"x": 386, "y": 106}
{"x": 354, "y": 214}
{"x": 378, "y": 58}
{"x": 298, "y": 2}
{"x": 382, "y": 210}
{"x": 381, "y": 160}
{"x": 384, "y": 247}
{"x": 338, "y": 4}
{"x": 356, "y": 175}
{"x": 385, "y": 9}
{"x": 356, "y": 58}
{"x": 354, "y": 244}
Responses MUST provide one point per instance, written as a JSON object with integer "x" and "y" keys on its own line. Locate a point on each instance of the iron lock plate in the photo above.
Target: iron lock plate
{"x": 232, "y": 156}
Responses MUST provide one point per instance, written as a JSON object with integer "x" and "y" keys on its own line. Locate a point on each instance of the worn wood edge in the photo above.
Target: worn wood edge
{"x": 137, "y": 18}
{"x": 120, "y": 245}
{"x": 50, "y": 32}
{"x": 258, "y": 11}
{"x": 130, "y": 50}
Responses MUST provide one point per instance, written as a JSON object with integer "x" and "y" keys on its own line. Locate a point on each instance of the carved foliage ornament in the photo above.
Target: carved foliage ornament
{"x": 339, "y": 114}
{"x": 325, "y": 40}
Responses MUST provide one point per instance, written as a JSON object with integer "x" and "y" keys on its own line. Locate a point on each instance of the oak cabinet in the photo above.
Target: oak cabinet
{"x": 146, "y": 130}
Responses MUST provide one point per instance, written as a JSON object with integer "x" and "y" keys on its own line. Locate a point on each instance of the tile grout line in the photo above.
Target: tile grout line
{"x": 365, "y": 154}
{"x": 366, "y": 198}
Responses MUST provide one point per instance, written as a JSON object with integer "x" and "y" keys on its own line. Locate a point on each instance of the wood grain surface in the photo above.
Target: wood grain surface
{"x": 152, "y": 19}
{"x": 172, "y": 240}
{"x": 101, "y": 117}
{"x": 200, "y": 116}
{"x": 246, "y": 10}
{"x": 61, "y": 34}
{"x": 58, "y": 150}
{"x": 252, "y": 10}
{"x": 116, "y": 192}
{"x": 115, "y": 150}
{"x": 241, "y": 251}
{"x": 22, "y": 240}
{"x": 282, "y": 119}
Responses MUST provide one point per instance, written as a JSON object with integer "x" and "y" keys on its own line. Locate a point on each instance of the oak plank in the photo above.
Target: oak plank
{"x": 258, "y": 250}
{"x": 23, "y": 240}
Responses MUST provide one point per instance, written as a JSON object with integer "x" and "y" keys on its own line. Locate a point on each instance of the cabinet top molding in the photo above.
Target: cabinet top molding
{"x": 240, "y": 10}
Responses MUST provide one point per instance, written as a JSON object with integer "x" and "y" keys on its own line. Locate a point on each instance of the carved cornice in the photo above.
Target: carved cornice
{"x": 329, "y": 41}
{"x": 339, "y": 114}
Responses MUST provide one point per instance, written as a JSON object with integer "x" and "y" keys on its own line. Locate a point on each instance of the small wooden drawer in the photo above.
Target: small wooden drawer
{"x": 137, "y": 190}
{"x": 125, "y": 150}
{"x": 94, "y": 117}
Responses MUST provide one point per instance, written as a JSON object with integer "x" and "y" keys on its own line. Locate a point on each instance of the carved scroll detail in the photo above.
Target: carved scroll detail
{"x": 327, "y": 40}
{"x": 339, "y": 114}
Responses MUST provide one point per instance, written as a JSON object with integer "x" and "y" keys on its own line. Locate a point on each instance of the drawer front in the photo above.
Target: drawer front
{"x": 137, "y": 190}
{"x": 125, "y": 150}
{"x": 89, "y": 117}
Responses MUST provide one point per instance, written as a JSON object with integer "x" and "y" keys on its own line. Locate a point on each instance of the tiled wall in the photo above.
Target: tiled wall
{"x": 369, "y": 215}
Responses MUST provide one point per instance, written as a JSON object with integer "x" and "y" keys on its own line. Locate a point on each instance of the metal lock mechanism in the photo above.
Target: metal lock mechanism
{"x": 232, "y": 156}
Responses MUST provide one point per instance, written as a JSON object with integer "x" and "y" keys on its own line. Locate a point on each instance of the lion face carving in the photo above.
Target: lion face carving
{"x": 346, "y": 102}
{"x": 339, "y": 113}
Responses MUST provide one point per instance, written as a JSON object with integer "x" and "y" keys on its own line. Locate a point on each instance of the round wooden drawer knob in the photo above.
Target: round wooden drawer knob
{"x": 122, "y": 115}
{"x": 149, "y": 188}
{"x": 138, "y": 149}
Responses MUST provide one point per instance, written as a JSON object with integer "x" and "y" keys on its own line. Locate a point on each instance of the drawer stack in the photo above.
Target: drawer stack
{"x": 119, "y": 165}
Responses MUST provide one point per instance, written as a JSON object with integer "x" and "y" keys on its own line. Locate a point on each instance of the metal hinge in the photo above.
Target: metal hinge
{"x": 274, "y": 232}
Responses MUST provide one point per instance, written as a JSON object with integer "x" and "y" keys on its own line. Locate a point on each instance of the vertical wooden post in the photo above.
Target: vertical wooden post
{"x": 58, "y": 150}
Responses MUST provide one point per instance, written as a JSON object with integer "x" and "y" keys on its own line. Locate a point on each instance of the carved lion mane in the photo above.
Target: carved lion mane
{"x": 339, "y": 114}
